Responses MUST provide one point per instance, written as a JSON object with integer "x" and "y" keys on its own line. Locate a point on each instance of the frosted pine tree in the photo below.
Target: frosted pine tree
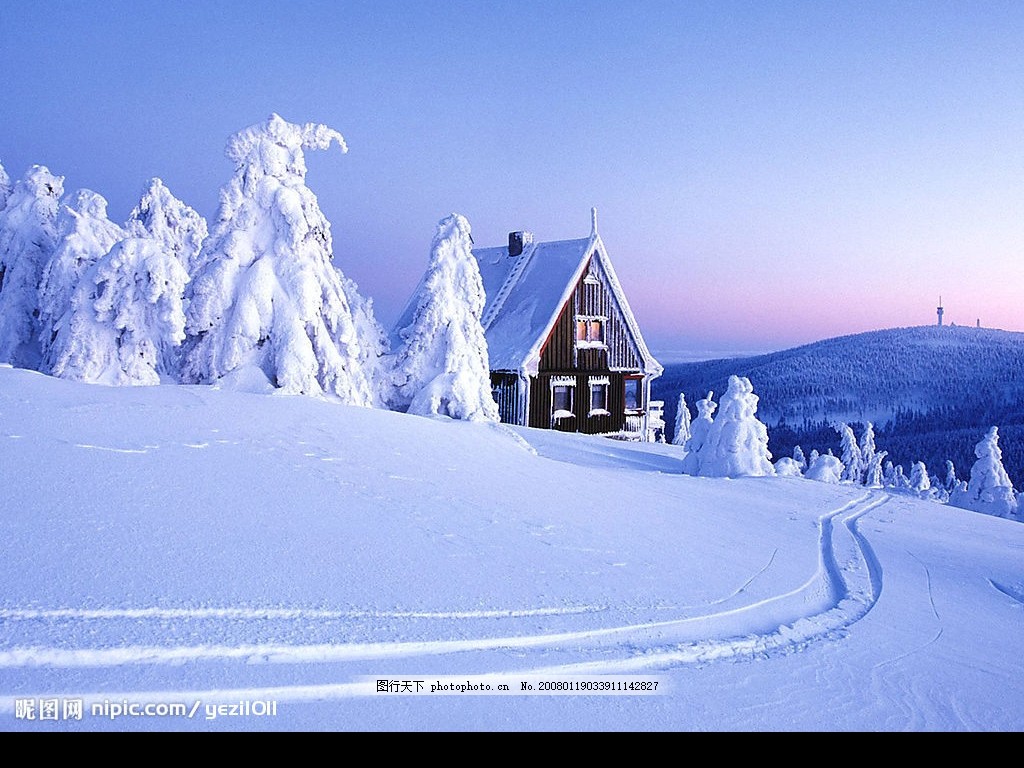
{"x": 84, "y": 235}
{"x": 28, "y": 236}
{"x": 737, "y": 443}
{"x": 699, "y": 429}
{"x": 5, "y": 187}
{"x": 166, "y": 219}
{"x": 682, "y": 431}
{"x": 853, "y": 467}
{"x": 867, "y": 448}
{"x": 874, "y": 474}
{"x": 920, "y": 483}
{"x": 442, "y": 366}
{"x": 951, "y": 481}
{"x": 799, "y": 458}
{"x": 267, "y": 296}
{"x": 989, "y": 490}
{"x": 126, "y": 316}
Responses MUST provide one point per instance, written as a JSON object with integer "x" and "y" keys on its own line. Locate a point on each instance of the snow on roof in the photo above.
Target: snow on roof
{"x": 525, "y": 294}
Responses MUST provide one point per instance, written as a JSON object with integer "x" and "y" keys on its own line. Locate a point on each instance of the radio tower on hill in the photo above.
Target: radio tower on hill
{"x": 938, "y": 309}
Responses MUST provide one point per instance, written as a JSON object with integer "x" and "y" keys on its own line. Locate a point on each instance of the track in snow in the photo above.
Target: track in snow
{"x": 844, "y": 587}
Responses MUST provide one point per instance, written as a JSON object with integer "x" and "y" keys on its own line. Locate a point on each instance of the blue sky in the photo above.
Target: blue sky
{"x": 766, "y": 173}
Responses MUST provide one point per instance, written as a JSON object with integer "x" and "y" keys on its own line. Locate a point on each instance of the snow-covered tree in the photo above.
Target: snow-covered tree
{"x": 442, "y": 366}
{"x": 920, "y": 483}
{"x": 874, "y": 475}
{"x": 125, "y": 316}
{"x": 699, "y": 429}
{"x": 737, "y": 443}
{"x": 267, "y": 295}
{"x": 853, "y": 467}
{"x": 989, "y": 490}
{"x": 825, "y": 468}
{"x": 5, "y": 187}
{"x": 166, "y": 219}
{"x": 799, "y": 458}
{"x": 84, "y": 234}
{"x": 28, "y": 236}
{"x": 867, "y": 447}
{"x": 900, "y": 481}
{"x": 951, "y": 481}
{"x": 682, "y": 432}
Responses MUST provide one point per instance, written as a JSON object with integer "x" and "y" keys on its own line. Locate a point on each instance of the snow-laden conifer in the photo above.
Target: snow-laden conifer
{"x": 920, "y": 483}
{"x": 166, "y": 219}
{"x": 737, "y": 442}
{"x": 267, "y": 295}
{"x": 867, "y": 449}
{"x": 28, "y": 236}
{"x": 125, "y": 318}
{"x": 990, "y": 489}
{"x": 799, "y": 458}
{"x": 699, "y": 429}
{"x": 84, "y": 234}
{"x": 682, "y": 431}
{"x": 5, "y": 187}
{"x": 853, "y": 467}
{"x": 874, "y": 473}
{"x": 442, "y": 366}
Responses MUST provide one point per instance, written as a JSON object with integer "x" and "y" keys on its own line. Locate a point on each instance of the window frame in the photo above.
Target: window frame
{"x": 585, "y": 336}
{"x": 599, "y": 384}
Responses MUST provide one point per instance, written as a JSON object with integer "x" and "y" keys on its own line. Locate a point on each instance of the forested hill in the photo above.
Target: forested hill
{"x": 930, "y": 390}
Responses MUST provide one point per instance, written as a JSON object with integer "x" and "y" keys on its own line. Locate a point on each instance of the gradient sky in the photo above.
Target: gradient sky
{"x": 767, "y": 173}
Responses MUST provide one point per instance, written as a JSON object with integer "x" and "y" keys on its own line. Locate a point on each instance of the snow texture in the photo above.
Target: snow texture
{"x": 188, "y": 544}
{"x": 699, "y": 429}
{"x": 268, "y": 295}
{"x": 442, "y": 367}
{"x": 125, "y": 317}
{"x": 84, "y": 235}
{"x": 682, "y": 431}
{"x": 166, "y": 219}
{"x": 737, "y": 443}
{"x": 989, "y": 489}
{"x": 28, "y": 236}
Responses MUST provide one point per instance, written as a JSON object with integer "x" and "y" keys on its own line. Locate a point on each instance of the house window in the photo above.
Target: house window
{"x": 563, "y": 397}
{"x": 590, "y": 331}
{"x": 632, "y": 394}
{"x": 599, "y": 396}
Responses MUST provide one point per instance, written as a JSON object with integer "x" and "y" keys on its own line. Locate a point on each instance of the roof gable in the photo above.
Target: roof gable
{"x": 527, "y": 293}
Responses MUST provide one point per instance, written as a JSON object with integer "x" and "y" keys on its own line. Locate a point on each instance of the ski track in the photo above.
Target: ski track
{"x": 845, "y": 586}
{"x": 1010, "y": 592}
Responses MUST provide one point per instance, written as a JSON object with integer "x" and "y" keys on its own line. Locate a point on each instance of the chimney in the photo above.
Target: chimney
{"x": 517, "y": 241}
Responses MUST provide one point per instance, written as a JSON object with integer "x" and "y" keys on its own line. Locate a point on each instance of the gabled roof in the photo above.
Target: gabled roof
{"x": 526, "y": 295}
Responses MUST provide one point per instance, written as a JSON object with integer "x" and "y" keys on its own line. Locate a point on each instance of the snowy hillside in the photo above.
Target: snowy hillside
{"x": 190, "y": 545}
{"x": 931, "y": 391}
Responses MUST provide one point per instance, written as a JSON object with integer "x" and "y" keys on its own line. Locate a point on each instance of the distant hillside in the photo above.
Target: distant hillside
{"x": 930, "y": 392}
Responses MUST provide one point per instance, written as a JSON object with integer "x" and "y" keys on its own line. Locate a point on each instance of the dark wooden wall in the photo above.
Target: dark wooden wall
{"x": 540, "y": 406}
{"x": 591, "y": 299}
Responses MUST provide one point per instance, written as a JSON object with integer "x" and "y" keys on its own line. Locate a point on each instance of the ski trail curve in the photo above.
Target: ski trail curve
{"x": 845, "y": 586}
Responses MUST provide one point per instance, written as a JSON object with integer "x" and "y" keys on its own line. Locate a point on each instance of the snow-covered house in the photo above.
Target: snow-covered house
{"x": 565, "y": 350}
